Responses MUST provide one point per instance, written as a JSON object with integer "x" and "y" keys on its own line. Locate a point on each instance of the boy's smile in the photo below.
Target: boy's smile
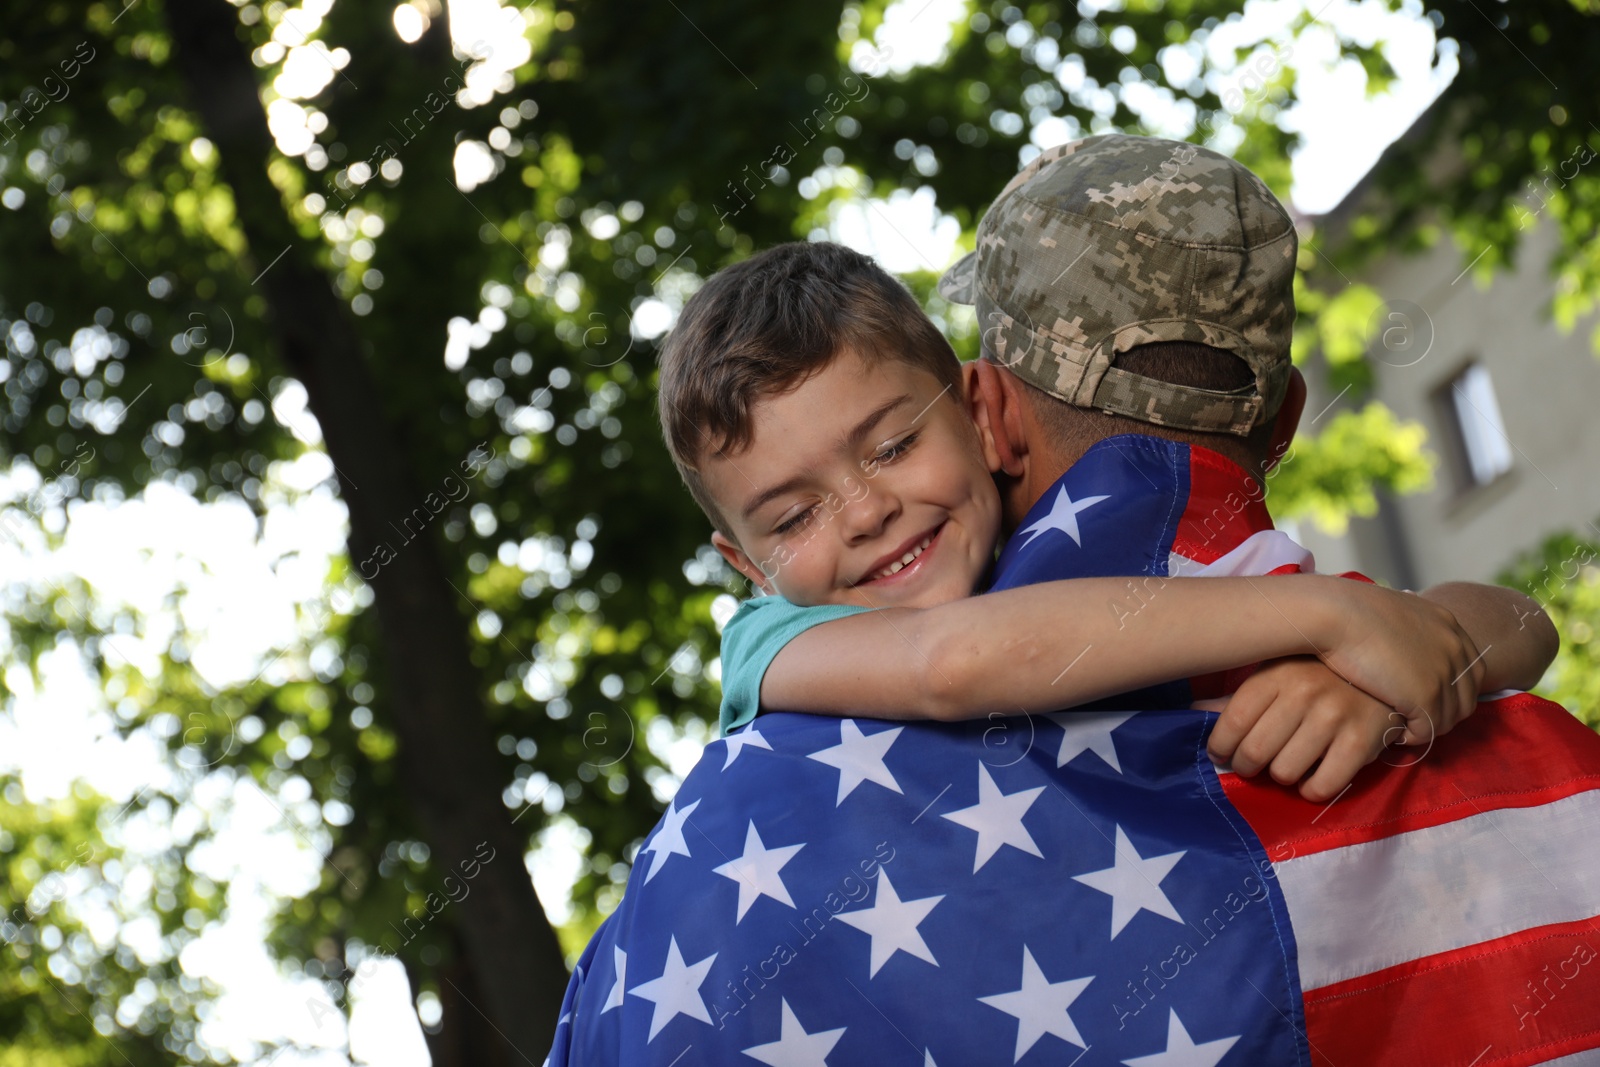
{"x": 865, "y": 484}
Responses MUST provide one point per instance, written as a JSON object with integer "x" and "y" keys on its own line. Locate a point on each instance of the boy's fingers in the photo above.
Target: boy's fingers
{"x": 1398, "y": 731}
{"x": 1335, "y": 772}
{"x": 1468, "y": 685}
{"x": 1456, "y": 695}
{"x": 1421, "y": 727}
{"x": 1349, "y": 752}
{"x": 1309, "y": 742}
{"x": 1267, "y": 737}
{"x": 1468, "y": 680}
{"x": 1239, "y": 714}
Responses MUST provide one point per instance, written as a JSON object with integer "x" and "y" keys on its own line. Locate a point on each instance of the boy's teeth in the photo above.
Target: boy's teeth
{"x": 899, "y": 564}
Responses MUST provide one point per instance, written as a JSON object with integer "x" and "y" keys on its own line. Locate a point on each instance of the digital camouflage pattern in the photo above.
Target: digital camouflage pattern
{"x": 1114, "y": 241}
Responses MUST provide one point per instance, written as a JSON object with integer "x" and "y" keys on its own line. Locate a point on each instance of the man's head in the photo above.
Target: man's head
{"x": 1130, "y": 284}
{"x": 817, "y": 416}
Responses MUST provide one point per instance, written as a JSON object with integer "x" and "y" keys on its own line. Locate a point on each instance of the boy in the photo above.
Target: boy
{"x": 820, "y": 421}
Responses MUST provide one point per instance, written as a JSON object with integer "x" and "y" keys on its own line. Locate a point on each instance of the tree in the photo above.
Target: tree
{"x": 1562, "y": 577}
{"x": 463, "y": 259}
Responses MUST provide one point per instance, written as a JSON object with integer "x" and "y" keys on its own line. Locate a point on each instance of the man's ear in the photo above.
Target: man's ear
{"x": 995, "y": 408}
{"x": 742, "y": 563}
{"x": 1288, "y": 418}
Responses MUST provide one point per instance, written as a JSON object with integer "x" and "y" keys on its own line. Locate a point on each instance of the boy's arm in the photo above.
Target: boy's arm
{"x": 1055, "y": 644}
{"x": 1293, "y": 713}
{"x": 1515, "y": 637}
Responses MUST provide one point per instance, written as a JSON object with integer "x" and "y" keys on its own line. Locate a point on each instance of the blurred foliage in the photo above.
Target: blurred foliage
{"x": 631, "y": 152}
{"x": 1563, "y": 575}
{"x": 1318, "y": 479}
{"x": 58, "y": 967}
{"x": 1485, "y": 165}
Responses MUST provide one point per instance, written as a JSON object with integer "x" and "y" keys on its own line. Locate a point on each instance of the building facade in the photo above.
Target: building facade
{"x": 1512, "y": 408}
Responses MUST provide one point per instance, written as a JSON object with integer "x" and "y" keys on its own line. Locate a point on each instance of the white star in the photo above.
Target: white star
{"x": 757, "y": 871}
{"x": 614, "y": 998}
{"x": 736, "y": 744}
{"x": 677, "y": 991}
{"x": 1063, "y": 516}
{"x": 669, "y": 839}
{"x": 1133, "y": 883}
{"x": 859, "y": 758}
{"x": 1089, "y": 732}
{"x": 892, "y": 924}
{"x": 1182, "y": 1051}
{"x": 1040, "y": 1006}
{"x": 997, "y": 817}
{"x": 795, "y": 1047}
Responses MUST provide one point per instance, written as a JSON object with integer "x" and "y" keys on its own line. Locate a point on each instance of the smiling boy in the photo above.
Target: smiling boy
{"x": 821, "y": 422}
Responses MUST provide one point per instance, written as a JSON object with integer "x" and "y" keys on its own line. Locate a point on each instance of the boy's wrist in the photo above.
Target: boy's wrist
{"x": 1331, "y": 607}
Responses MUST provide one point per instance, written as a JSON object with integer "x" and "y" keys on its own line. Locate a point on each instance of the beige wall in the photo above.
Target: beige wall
{"x": 1548, "y": 386}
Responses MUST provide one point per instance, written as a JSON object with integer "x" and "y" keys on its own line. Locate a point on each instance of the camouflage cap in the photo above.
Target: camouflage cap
{"x": 1114, "y": 241}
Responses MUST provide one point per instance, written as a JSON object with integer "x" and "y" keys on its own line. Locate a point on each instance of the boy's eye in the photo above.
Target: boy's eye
{"x": 892, "y": 452}
{"x": 793, "y": 523}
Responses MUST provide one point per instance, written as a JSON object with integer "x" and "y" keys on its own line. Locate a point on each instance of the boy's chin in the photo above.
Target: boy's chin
{"x": 930, "y": 593}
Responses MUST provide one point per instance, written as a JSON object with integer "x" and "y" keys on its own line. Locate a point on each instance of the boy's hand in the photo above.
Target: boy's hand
{"x": 1292, "y": 712}
{"x": 1409, "y": 653}
{"x": 1511, "y": 629}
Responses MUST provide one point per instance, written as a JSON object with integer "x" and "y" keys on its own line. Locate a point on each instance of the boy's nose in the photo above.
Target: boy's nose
{"x": 867, "y": 517}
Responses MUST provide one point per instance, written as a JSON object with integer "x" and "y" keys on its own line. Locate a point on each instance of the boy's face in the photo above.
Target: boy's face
{"x": 860, "y": 466}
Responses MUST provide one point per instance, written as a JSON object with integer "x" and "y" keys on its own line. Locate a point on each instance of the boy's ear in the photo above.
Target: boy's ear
{"x": 740, "y": 562}
{"x": 1288, "y": 418}
{"x": 994, "y": 408}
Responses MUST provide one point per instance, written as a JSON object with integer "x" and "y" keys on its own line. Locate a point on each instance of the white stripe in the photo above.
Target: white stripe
{"x": 1262, "y": 551}
{"x": 1591, "y": 1058}
{"x": 1364, "y": 907}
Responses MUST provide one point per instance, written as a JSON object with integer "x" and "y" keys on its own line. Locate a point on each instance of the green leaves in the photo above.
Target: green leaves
{"x": 1563, "y": 577}
{"x": 1334, "y": 474}
{"x": 637, "y": 151}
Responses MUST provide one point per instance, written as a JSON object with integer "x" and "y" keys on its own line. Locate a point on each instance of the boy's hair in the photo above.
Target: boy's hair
{"x": 762, "y": 327}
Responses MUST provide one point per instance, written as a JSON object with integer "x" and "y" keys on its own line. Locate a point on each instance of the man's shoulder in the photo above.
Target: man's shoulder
{"x": 791, "y": 846}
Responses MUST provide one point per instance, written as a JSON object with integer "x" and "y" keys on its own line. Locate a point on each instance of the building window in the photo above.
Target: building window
{"x": 1483, "y": 451}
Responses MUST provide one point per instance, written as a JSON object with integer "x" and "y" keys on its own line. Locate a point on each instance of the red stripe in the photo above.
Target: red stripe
{"x": 1516, "y": 752}
{"x": 1470, "y": 1006}
{"x": 1220, "y": 512}
{"x": 1219, "y": 683}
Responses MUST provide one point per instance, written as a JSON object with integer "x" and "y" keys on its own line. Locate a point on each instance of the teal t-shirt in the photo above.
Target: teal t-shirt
{"x": 752, "y": 639}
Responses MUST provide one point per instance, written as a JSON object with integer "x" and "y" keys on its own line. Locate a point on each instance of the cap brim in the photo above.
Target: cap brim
{"x": 959, "y": 284}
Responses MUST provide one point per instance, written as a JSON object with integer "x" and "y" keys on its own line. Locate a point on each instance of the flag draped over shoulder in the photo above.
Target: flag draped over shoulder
{"x": 1085, "y": 886}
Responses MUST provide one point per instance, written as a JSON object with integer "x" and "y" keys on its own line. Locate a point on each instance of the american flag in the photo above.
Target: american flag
{"x": 1085, "y": 887}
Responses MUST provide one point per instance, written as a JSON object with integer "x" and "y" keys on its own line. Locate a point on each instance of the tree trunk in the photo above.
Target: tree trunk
{"x": 462, "y": 1039}
{"x": 446, "y": 753}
